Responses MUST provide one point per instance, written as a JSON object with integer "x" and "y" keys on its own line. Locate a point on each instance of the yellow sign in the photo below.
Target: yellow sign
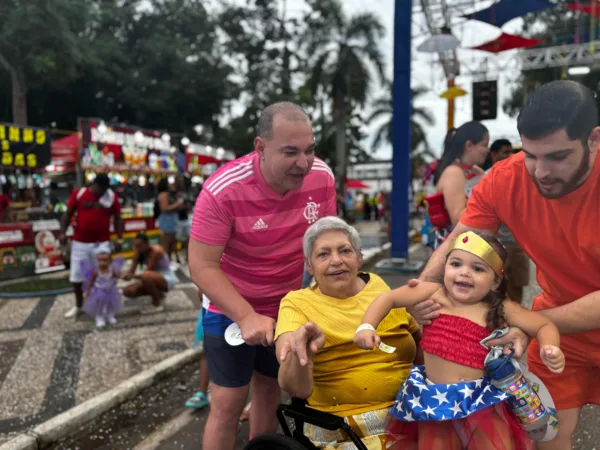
{"x": 23, "y": 147}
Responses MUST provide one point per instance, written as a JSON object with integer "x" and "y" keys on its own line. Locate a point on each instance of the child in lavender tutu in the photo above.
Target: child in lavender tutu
{"x": 102, "y": 298}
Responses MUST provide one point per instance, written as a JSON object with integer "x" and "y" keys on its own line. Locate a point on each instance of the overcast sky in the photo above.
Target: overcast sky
{"x": 424, "y": 72}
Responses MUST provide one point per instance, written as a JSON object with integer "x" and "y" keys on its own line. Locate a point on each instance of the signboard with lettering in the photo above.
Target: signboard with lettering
{"x": 24, "y": 147}
{"x": 120, "y": 148}
{"x": 49, "y": 253}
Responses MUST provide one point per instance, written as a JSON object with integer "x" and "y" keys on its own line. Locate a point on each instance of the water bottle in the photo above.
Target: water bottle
{"x": 522, "y": 398}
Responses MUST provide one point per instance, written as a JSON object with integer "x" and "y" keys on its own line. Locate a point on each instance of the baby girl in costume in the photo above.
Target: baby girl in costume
{"x": 450, "y": 403}
{"x": 102, "y": 298}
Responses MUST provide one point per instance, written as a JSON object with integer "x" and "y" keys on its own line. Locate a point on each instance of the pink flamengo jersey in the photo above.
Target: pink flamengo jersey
{"x": 261, "y": 230}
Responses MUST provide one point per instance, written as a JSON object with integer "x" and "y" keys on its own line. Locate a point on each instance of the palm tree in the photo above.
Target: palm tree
{"x": 340, "y": 49}
{"x": 384, "y": 107}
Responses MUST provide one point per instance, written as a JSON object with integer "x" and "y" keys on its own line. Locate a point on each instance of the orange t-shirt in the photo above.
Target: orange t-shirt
{"x": 560, "y": 235}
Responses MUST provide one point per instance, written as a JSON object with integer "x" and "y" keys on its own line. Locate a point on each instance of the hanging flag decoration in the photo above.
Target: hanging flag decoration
{"x": 592, "y": 10}
{"x": 508, "y": 42}
{"x": 505, "y": 10}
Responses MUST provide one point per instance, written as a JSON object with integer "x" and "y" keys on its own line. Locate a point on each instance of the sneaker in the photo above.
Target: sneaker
{"x": 100, "y": 323}
{"x": 197, "y": 401}
{"x": 73, "y": 312}
{"x": 151, "y": 309}
{"x": 111, "y": 319}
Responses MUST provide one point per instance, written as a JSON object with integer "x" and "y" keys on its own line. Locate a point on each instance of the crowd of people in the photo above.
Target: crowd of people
{"x": 385, "y": 360}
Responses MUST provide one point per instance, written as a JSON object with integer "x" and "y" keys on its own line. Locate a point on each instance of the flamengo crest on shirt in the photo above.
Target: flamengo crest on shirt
{"x": 311, "y": 211}
{"x": 260, "y": 225}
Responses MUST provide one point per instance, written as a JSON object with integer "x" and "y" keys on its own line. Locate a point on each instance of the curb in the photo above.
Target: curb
{"x": 37, "y": 294}
{"x": 71, "y": 420}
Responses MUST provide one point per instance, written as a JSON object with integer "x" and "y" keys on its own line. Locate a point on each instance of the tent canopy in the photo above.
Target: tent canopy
{"x": 505, "y": 10}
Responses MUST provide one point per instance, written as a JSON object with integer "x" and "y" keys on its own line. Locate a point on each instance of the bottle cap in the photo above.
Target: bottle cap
{"x": 502, "y": 367}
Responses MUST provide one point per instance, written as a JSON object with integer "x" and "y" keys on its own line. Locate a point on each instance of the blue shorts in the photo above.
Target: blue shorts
{"x": 167, "y": 222}
{"x": 231, "y": 366}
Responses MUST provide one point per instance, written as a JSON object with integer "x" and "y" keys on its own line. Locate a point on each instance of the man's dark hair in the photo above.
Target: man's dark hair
{"x": 289, "y": 110}
{"x": 558, "y": 105}
{"x": 102, "y": 181}
{"x": 142, "y": 237}
{"x": 498, "y": 144}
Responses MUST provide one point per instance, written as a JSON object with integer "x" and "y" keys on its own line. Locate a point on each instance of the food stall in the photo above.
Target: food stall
{"x": 28, "y": 244}
{"x": 201, "y": 161}
{"x": 134, "y": 159}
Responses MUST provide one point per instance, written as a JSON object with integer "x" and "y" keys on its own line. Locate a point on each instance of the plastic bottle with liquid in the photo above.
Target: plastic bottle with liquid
{"x": 522, "y": 398}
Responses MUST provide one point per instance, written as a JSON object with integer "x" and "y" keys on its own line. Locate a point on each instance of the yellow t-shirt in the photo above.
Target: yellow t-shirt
{"x": 348, "y": 380}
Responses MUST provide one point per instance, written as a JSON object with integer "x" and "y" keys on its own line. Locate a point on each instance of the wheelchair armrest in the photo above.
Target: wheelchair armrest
{"x": 309, "y": 415}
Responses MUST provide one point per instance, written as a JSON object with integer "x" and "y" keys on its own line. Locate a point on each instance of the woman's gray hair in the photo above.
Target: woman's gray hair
{"x": 324, "y": 225}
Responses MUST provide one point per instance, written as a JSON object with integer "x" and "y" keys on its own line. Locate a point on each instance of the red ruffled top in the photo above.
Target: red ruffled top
{"x": 456, "y": 339}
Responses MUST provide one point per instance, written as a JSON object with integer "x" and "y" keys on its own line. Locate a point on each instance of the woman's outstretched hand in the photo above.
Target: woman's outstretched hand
{"x": 423, "y": 312}
{"x": 305, "y": 342}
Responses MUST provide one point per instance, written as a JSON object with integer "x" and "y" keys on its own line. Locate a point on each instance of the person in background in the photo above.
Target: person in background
{"x": 5, "y": 212}
{"x": 517, "y": 264}
{"x": 156, "y": 280}
{"x": 93, "y": 207}
{"x": 169, "y": 205}
{"x": 183, "y": 225}
{"x": 499, "y": 151}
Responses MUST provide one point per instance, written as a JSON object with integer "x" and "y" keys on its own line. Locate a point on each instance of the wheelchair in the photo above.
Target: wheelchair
{"x": 296, "y": 440}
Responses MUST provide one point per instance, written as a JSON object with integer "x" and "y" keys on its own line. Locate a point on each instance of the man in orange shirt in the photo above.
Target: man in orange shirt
{"x": 547, "y": 196}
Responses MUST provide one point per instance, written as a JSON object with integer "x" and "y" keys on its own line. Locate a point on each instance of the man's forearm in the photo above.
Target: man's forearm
{"x": 434, "y": 270}
{"x": 578, "y": 316}
{"x": 217, "y": 287}
{"x": 295, "y": 379}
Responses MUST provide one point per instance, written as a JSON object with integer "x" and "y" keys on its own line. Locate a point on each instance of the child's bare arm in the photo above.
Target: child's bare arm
{"x": 539, "y": 327}
{"x": 91, "y": 283}
{"x": 398, "y": 298}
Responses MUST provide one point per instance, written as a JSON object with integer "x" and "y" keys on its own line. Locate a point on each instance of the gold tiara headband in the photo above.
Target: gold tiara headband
{"x": 476, "y": 245}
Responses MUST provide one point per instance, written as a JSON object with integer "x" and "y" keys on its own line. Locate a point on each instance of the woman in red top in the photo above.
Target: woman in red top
{"x": 465, "y": 148}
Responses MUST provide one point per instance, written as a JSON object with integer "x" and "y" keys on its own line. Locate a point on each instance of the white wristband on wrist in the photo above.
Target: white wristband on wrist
{"x": 365, "y": 326}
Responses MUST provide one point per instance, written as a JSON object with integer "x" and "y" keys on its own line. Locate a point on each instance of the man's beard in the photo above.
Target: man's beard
{"x": 574, "y": 182}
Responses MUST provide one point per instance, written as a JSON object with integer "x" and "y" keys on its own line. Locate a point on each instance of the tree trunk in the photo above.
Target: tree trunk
{"x": 19, "y": 91}
{"x": 340, "y": 141}
{"x": 19, "y": 97}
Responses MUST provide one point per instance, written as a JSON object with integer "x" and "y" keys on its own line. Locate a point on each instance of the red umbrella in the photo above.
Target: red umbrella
{"x": 356, "y": 184}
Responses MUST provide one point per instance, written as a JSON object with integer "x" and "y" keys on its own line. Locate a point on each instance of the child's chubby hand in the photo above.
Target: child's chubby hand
{"x": 367, "y": 340}
{"x": 553, "y": 357}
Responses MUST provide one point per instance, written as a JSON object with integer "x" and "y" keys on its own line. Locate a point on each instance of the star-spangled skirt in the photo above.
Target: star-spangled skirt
{"x": 470, "y": 414}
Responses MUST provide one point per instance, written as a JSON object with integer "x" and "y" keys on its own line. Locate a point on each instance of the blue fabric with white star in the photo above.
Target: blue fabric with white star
{"x": 418, "y": 401}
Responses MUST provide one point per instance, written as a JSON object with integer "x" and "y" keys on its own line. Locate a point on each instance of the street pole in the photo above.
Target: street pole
{"x": 401, "y": 167}
{"x": 401, "y": 128}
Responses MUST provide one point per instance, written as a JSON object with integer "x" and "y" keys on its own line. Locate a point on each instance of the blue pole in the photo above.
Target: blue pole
{"x": 401, "y": 128}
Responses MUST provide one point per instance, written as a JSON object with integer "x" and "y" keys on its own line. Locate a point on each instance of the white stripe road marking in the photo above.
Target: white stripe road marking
{"x": 227, "y": 172}
{"x": 167, "y": 431}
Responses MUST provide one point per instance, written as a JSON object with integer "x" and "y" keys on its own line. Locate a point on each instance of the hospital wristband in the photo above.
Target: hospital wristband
{"x": 365, "y": 326}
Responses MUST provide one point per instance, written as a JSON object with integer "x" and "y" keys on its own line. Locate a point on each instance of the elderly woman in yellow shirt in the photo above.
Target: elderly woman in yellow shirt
{"x": 314, "y": 340}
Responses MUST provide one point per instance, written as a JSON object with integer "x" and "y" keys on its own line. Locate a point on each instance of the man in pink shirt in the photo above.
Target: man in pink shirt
{"x": 245, "y": 254}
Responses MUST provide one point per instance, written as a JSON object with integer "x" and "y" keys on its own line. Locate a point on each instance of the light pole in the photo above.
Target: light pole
{"x": 401, "y": 96}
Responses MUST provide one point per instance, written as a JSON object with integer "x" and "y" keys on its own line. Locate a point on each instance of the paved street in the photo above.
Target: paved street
{"x": 50, "y": 364}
